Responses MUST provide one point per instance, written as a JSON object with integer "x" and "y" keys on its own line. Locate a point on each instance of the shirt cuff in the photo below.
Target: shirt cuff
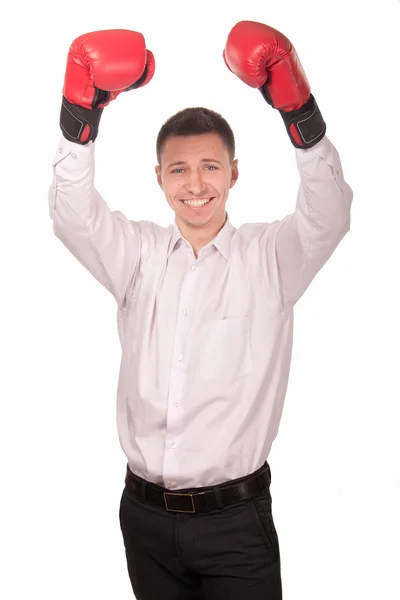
{"x": 324, "y": 150}
{"x": 81, "y": 155}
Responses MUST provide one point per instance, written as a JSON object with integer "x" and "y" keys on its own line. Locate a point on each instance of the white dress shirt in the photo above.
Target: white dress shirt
{"x": 206, "y": 344}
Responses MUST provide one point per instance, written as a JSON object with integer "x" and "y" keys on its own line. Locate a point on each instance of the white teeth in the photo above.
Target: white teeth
{"x": 196, "y": 202}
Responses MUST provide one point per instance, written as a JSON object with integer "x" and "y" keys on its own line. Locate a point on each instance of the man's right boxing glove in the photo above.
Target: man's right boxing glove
{"x": 100, "y": 65}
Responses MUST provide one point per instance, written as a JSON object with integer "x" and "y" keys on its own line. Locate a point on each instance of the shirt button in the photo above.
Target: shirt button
{"x": 193, "y": 267}
{"x": 186, "y": 312}
{"x": 173, "y": 445}
{"x": 61, "y": 150}
{"x": 73, "y": 155}
{"x": 177, "y": 404}
{"x": 180, "y": 357}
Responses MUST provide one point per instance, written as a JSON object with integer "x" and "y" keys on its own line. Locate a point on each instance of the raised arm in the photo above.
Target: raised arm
{"x": 100, "y": 65}
{"x": 294, "y": 250}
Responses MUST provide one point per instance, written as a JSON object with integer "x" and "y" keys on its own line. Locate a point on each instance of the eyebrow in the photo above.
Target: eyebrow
{"x": 182, "y": 162}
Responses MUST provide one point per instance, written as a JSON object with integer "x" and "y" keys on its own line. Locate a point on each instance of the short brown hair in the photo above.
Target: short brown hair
{"x": 196, "y": 121}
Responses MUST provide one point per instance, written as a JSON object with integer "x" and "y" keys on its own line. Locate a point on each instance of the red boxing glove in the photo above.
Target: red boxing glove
{"x": 101, "y": 65}
{"x": 264, "y": 58}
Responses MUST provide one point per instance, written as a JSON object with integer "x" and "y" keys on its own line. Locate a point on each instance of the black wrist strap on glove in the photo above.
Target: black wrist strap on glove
{"x": 78, "y": 124}
{"x": 81, "y": 125}
{"x": 305, "y": 126}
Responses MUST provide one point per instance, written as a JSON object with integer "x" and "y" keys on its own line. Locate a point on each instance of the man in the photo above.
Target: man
{"x": 205, "y": 313}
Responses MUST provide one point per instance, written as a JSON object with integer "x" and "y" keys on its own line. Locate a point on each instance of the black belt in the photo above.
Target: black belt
{"x": 200, "y": 499}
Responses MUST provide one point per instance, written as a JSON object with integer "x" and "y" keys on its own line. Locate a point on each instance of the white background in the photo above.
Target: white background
{"x": 336, "y": 461}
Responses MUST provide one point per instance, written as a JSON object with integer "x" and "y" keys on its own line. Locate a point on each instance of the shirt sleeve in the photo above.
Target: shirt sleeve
{"x": 294, "y": 249}
{"x": 105, "y": 242}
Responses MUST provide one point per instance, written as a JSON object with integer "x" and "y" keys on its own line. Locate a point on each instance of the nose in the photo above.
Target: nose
{"x": 196, "y": 184}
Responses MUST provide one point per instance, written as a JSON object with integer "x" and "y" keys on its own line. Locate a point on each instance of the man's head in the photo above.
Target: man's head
{"x": 196, "y": 167}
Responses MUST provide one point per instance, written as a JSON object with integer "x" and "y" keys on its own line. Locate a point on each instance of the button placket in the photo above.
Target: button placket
{"x": 178, "y": 378}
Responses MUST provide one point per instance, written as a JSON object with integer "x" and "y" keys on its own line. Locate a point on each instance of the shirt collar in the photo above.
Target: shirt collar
{"x": 222, "y": 240}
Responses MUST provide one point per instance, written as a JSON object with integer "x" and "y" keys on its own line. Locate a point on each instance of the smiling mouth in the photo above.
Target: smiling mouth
{"x": 198, "y": 203}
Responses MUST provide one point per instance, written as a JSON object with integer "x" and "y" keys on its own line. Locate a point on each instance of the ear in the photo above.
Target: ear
{"x": 158, "y": 174}
{"x": 234, "y": 173}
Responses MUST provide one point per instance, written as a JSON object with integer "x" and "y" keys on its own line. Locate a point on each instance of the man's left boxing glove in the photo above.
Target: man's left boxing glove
{"x": 100, "y": 65}
{"x": 264, "y": 58}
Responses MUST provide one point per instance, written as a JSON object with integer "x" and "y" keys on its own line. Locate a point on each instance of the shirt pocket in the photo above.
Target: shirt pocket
{"x": 226, "y": 350}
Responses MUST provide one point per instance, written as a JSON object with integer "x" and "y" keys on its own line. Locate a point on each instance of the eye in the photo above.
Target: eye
{"x": 177, "y": 171}
{"x": 211, "y": 167}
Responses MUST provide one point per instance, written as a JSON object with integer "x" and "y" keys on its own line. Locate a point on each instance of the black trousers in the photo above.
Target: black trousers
{"x": 225, "y": 554}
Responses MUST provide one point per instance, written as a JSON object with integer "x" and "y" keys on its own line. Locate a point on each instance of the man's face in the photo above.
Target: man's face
{"x": 196, "y": 174}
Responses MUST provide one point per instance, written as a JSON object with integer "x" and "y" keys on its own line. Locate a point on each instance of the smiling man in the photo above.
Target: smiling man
{"x": 205, "y": 312}
{"x": 195, "y": 151}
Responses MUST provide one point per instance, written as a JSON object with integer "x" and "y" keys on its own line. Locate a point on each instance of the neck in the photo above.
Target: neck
{"x": 198, "y": 237}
